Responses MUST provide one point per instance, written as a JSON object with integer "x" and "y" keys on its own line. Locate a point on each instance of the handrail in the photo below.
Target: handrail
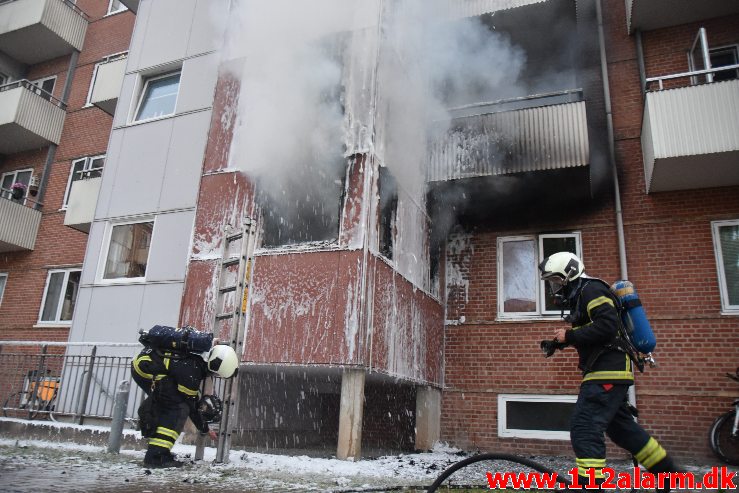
{"x": 516, "y": 99}
{"x": 69, "y": 344}
{"x": 33, "y": 88}
{"x": 7, "y": 194}
{"x": 693, "y": 73}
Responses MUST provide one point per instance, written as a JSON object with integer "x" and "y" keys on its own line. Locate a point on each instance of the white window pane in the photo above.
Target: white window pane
{"x": 3, "y": 282}
{"x": 128, "y": 251}
{"x": 159, "y": 98}
{"x": 519, "y": 276}
{"x": 70, "y": 296}
{"x": 553, "y": 245}
{"x": 729, "y": 238}
{"x": 53, "y": 292}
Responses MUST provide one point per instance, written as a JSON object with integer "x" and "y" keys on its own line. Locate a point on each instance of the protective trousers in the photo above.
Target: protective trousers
{"x": 603, "y": 409}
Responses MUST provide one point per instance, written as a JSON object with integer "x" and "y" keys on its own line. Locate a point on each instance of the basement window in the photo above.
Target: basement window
{"x": 521, "y": 294}
{"x": 83, "y": 169}
{"x": 159, "y": 97}
{"x": 546, "y": 417}
{"x": 60, "y": 296}
{"x": 128, "y": 251}
{"x": 726, "y": 246}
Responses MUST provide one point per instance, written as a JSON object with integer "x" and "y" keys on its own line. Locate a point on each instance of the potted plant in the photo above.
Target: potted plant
{"x": 17, "y": 190}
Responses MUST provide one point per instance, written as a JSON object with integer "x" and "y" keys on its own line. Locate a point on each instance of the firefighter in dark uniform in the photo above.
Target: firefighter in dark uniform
{"x": 171, "y": 381}
{"x": 602, "y": 405}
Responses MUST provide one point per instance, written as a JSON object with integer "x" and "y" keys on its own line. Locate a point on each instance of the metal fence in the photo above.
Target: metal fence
{"x": 69, "y": 382}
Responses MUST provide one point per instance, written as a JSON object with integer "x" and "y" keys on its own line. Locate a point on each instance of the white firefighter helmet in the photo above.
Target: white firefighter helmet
{"x": 560, "y": 268}
{"x": 223, "y": 361}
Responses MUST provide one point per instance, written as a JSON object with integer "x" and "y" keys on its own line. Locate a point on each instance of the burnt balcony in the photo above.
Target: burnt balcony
{"x": 493, "y": 159}
{"x": 83, "y": 196}
{"x": 646, "y": 15}
{"x": 133, "y": 5}
{"x": 19, "y": 223}
{"x": 34, "y": 31}
{"x": 690, "y": 134}
{"x": 108, "y": 81}
{"x": 29, "y": 117}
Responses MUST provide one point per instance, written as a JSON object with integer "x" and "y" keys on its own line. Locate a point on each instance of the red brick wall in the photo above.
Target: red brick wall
{"x": 670, "y": 259}
{"x": 86, "y": 132}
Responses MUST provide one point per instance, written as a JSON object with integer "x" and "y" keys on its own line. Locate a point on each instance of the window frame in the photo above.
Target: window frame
{"x": 726, "y": 307}
{"x": 100, "y": 274}
{"x": 122, "y": 8}
{"x": 3, "y": 285}
{"x": 86, "y": 169}
{"x": 39, "y": 82}
{"x": 505, "y": 432}
{"x": 14, "y": 180}
{"x": 717, "y": 49}
{"x": 145, "y": 86}
{"x": 540, "y": 311}
{"x": 60, "y": 302}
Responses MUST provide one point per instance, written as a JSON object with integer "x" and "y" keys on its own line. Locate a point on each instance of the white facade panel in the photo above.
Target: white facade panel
{"x": 197, "y": 83}
{"x": 166, "y": 33}
{"x": 109, "y": 173}
{"x": 207, "y": 35}
{"x": 92, "y": 253}
{"x": 185, "y": 161}
{"x": 160, "y": 305}
{"x": 125, "y": 105}
{"x": 170, "y": 246}
{"x": 141, "y": 162}
{"x": 113, "y": 314}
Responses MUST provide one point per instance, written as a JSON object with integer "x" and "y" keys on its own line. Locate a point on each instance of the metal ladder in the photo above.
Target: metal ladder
{"x": 229, "y": 323}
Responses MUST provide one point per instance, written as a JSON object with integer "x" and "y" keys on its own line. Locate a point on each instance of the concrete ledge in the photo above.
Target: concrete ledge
{"x": 65, "y": 432}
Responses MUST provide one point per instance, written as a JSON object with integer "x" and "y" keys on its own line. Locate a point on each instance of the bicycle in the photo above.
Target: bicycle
{"x": 723, "y": 436}
{"x": 37, "y": 397}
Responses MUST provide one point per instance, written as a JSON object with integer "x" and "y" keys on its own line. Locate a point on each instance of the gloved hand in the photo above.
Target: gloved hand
{"x": 549, "y": 347}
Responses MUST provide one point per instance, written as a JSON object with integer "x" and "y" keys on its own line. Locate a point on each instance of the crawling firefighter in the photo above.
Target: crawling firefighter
{"x": 170, "y": 370}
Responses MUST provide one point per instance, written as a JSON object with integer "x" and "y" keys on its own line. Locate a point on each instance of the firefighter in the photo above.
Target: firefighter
{"x": 602, "y": 404}
{"x": 171, "y": 381}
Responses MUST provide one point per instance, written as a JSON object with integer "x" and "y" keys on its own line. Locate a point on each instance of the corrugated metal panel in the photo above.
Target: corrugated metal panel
{"x": 39, "y": 115}
{"x": 65, "y": 22}
{"x": 531, "y": 139}
{"x": 455, "y": 9}
{"x": 694, "y": 120}
{"x": 18, "y": 226}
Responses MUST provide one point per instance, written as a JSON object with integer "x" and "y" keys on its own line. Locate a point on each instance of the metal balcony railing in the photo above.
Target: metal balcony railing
{"x": 34, "y": 89}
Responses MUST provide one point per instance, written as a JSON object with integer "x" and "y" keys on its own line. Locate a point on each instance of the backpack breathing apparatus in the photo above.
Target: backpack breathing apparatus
{"x": 636, "y": 327}
{"x": 185, "y": 339}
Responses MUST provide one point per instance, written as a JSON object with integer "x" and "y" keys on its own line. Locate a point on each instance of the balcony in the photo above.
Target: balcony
{"x": 108, "y": 81}
{"x": 133, "y": 5}
{"x": 19, "y": 224}
{"x": 646, "y": 15}
{"x": 34, "y": 31}
{"x": 690, "y": 136}
{"x": 83, "y": 197}
{"x": 29, "y": 117}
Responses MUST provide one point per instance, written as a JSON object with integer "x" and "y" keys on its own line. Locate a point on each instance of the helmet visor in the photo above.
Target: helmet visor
{"x": 556, "y": 284}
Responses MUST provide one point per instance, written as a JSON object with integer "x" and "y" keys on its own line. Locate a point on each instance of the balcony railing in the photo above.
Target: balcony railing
{"x": 35, "y": 31}
{"x": 646, "y": 15}
{"x": 19, "y": 223}
{"x": 532, "y": 133}
{"x": 690, "y": 133}
{"x": 108, "y": 81}
{"x": 83, "y": 198}
{"x": 29, "y": 117}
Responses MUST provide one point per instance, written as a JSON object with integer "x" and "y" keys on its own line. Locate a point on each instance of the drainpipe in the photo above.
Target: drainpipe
{"x": 51, "y": 153}
{"x": 640, "y": 59}
{"x": 612, "y": 159}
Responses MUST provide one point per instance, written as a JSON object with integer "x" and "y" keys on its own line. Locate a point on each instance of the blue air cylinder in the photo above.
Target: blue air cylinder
{"x": 178, "y": 339}
{"x": 634, "y": 317}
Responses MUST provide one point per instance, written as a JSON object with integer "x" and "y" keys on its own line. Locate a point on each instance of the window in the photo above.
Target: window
{"x": 388, "y": 191}
{"x": 726, "y": 244}
{"x": 116, "y": 6}
{"x": 3, "y": 282}
{"x": 535, "y": 416}
{"x": 521, "y": 294}
{"x": 8, "y": 179}
{"x": 46, "y": 86}
{"x": 128, "y": 251}
{"x": 721, "y": 57}
{"x": 60, "y": 296}
{"x": 159, "y": 97}
{"x": 83, "y": 169}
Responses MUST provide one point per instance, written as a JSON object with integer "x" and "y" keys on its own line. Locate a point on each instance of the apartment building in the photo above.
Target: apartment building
{"x": 387, "y": 228}
{"x": 60, "y": 74}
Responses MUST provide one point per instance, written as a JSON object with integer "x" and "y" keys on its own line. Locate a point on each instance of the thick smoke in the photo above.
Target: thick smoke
{"x": 325, "y": 79}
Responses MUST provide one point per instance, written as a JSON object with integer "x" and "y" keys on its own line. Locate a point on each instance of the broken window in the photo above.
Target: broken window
{"x": 388, "y": 190}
